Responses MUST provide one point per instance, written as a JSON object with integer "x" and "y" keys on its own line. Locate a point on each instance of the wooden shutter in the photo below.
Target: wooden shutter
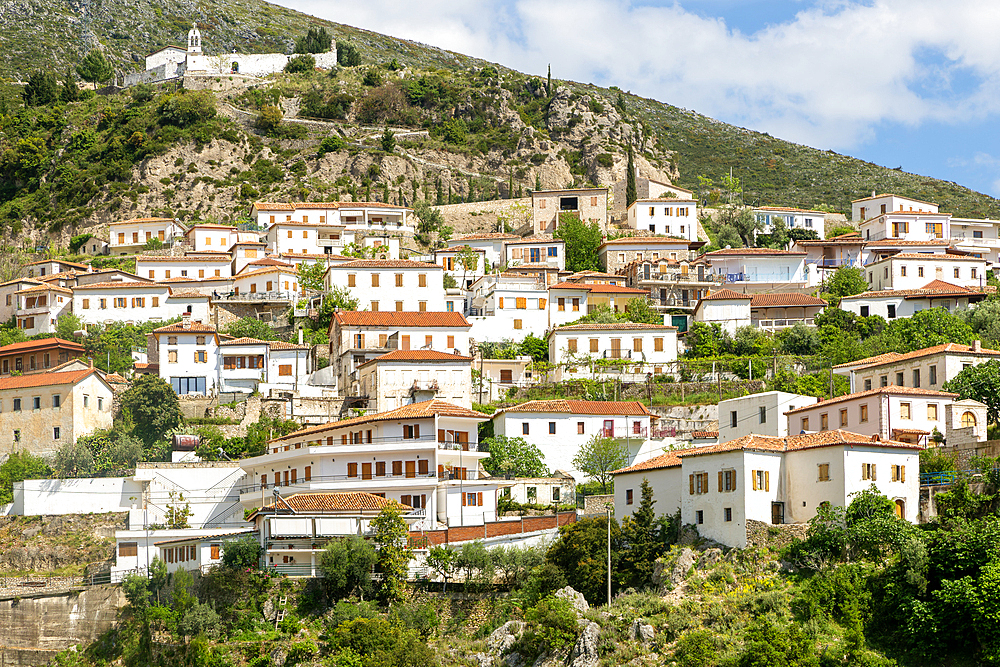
{"x": 521, "y": 303}
{"x": 541, "y": 304}
{"x": 720, "y": 481}
{"x": 440, "y": 435}
{"x": 500, "y": 303}
{"x": 308, "y": 473}
{"x": 423, "y": 501}
{"x": 422, "y": 466}
{"x": 380, "y": 468}
{"x": 479, "y": 498}
{"x": 215, "y": 551}
{"x": 440, "y": 471}
{"x": 352, "y": 469}
{"x": 366, "y": 471}
{"x": 397, "y": 468}
{"x": 902, "y": 473}
{"x": 733, "y": 474}
{"x": 753, "y": 476}
{"x": 873, "y": 472}
{"x": 416, "y": 431}
{"x": 463, "y": 500}
{"x": 767, "y": 480}
{"x": 411, "y": 469}
{"x": 691, "y": 482}
{"x": 406, "y": 500}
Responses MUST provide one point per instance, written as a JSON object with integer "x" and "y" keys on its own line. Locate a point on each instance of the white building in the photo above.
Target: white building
{"x": 359, "y": 336}
{"x": 464, "y": 275}
{"x": 390, "y": 284}
{"x": 663, "y": 473}
{"x": 499, "y": 376}
{"x": 628, "y": 350}
{"x": 40, "y": 306}
{"x": 794, "y": 218}
{"x": 271, "y": 283}
{"x": 728, "y": 309}
{"x": 559, "y": 428}
{"x": 559, "y": 489}
{"x": 100, "y": 303}
{"x": 250, "y": 365}
{"x": 823, "y": 258}
{"x": 213, "y": 237}
{"x": 906, "y": 414}
{"x": 907, "y": 270}
{"x": 876, "y": 205}
{"x": 425, "y": 455}
{"x": 672, "y": 217}
{"x": 197, "y": 267}
{"x": 188, "y": 357}
{"x": 508, "y": 306}
{"x": 402, "y": 377}
{"x": 930, "y": 367}
{"x": 195, "y": 553}
{"x": 894, "y": 303}
{"x": 761, "y": 414}
{"x": 127, "y": 237}
{"x": 757, "y": 265}
{"x": 979, "y": 238}
{"x": 492, "y": 243}
{"x": 536, "y": 251}
{"x": 347, "y": 219}
{"x": 567, "y": 300}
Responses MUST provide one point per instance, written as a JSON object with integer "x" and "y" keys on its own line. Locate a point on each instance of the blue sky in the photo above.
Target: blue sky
{"x": 910, "y": 83}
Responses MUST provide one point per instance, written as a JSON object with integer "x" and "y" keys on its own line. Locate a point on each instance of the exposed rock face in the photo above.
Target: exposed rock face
{"x": 584, "y": 653}
{"x": 641, "y": 632}
{"x": 503, "y": 638}
{"x": 47, "y": 543}
{"x": 708, "y": 558}
{"x": 575, "y": 598}
{"x": 685, "y": 561}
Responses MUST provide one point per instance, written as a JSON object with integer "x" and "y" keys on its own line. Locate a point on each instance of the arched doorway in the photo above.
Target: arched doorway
{"x": 899, "y": 507}
{"x": 235, "y": 69}
{"x": 968, "y": 420}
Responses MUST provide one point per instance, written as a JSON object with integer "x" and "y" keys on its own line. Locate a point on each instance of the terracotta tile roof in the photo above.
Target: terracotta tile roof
{"x": 422, "y": 410}
{"x": 725, "y": 294}
{"x": 142, "y": 366}
{"x": 314, "y": 256}
{"x": 784, "y": 299}
{"x": 537, "y": 239}
{"x": 260, "y": 272}
{"x": 269, "y": 261}
{"x": 353, "y": 318}
{"x": 33, "y": 281}
{"x": 566, "y": 285}
{"x": 904, "y": 242}
{"x": 343, "y": 501}
{"x": 485, "y": 236}
{"x": 133, "y": 220}
{"x": 933, "y": 288}
{"x": 891, "y": 390}
{"x": 180, "y": 327}
{"x": 40, "y": 343}
{"x": 926, "y": 255}
{"x": 668, "y": 460}
{"x": 119, "y": 284}
{"x": 114, "y": 377}
{"x": 670, "y": 199}
{"x": 645, "y": 240}
{"x": 58, "y": 261}
{"x": 910, "y": 431}
{"x": 178, "y": 279}
{"x": 615, "y": 326}
{"x": 385, "y": 264}
{"x": 843, "y": 239}
{"x": 893, "y": 357}
{"x": 456, "y": 248}
{"x": 736, "y": 252}
{"x": 889, "y": 194}
{"x": 610, "y": 408}
{"x": 603, "y": 288}
{"x": 244, "y": 341}
{"x": 284, "y": 345}
{"x": 46, "y": 379}
{"x": 360, "y": 204}
{"x": 704, "y": 434}
{"x": 791, "y": 443}
{"x": 202, "y": 257}
{"x": 787, "y": 209}
{"x": 45, "y": 288}
{"x": 205, "y": 538}
{"x": 417, "y": 356}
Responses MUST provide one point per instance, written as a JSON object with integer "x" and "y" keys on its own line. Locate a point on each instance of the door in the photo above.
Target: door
{"x": 506, "y": 376}
{"x": 609, "y": 428}
{"x": 366, "y": 471}
{"x": 411, "y": 468}
{"x": 406, "y": 342}
{"x": 777, "y": 513}
{"x": 899, "y": 507}
{"x": 616, "y": 348}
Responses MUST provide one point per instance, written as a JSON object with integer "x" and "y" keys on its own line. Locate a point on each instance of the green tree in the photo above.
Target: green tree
{"x": 927, "y": 328}
{"x": 388, "y": 140}
{"x": 599, "y": 457}
{"x": 300, "y": 64}
{"x": 431, "y": 219}
{"x": 243, "y": 552}
{"x": 153, "y": 406}
{"x": 443, "y": 559}
{"x": 846, "y": 281}
{"x": 514, "y": 456}
{"x": 347, "y": 567}
{"x": 642, "y": 310}
{"x": 534, "y": 347}
{"x": 95, "y": 68}
{"x": 42, "y": 89}
{"x": 251, "y": 327}
{"x": 311, "y": 275}
{"x": 269, "y": 118}
{"x": 112, "y": 453}
{"x": 581, "y": 553}
{"x": 69, "y": 92}
{"x": 644, "y": 539}
{"x": 980, "y": 383}
{"x": 392, "y": 546}
{"x": 742, "y": 221}
{"x": 67, "y": 325}
{"x": 582, "y": 243}
{"x": 316, "y": 40}
{"x": 468, "y": 258}
{"x": 339, "y": 298}
{"x": 177, "y": 514}
{"x": 73, "y": 459}
{"x": 706, "y": 339}
{"x": 347, "y": 54}
{"x": 18, "y": 467}
{"x": 630, "y": 190}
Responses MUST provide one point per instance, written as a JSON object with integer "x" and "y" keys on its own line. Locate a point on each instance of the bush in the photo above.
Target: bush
{"x": 244, "y": 552}
{"x": 347, "y": 54}
{"x": 300, "y": 64}
{"x": 186, "y": 108}
{"x": 269, "y": 119}
{"x": 372, "y": 78}
{"x": 551, "y": 626}
{"x": 330, "y": 144}
{"x": 698, "y": 648}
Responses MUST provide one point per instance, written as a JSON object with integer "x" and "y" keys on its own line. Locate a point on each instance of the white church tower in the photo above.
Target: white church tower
{"x": 194, "y": 40}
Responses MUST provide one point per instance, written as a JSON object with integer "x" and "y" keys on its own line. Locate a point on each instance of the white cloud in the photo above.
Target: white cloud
{"x": 827, "y": 77}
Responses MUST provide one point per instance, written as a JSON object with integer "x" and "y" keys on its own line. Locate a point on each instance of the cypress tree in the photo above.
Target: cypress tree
{"x": 548, "y": 87}
{"x": 630, "y": 191}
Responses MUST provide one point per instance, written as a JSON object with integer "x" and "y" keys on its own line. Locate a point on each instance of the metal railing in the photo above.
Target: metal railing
{"x": 623, "y": 432}
{"x": 254, "y": 296}
{"x": 783, "y": 324}
{"x": 616, "y": 354}
{"x": 360, "y": 477}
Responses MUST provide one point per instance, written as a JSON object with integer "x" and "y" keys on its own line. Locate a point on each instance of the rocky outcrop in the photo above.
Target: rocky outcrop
{"x": 584, "y": 653}
{"x": 575, "y": 598}
{"x": 685, "y": 561}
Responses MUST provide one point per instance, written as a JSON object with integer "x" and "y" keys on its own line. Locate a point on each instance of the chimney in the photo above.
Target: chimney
{"x": 186, "y": 320}
{"x": 977, "y": 345}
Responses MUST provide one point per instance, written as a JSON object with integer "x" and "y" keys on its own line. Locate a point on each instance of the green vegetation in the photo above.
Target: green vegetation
{"x": 513, "y": 456}
{"x": 599, "y": 457}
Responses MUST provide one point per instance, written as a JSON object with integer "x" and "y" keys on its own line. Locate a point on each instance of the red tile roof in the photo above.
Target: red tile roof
{"x": 119, "y": 284}
{"x": 646, "y": 240}
{"x": 788, "y": 209}
{"x": 125, "y": 222}
{"x": 891, "y": 390}
{"x": 45, "y": 288}
{"x": 933, "y": 288}
{"x": 385, "y": 264}
{"x": 751, "y": 251}
{"x": 343, "y": 501}
{"x": 353, "y": 318}
{"x": 46, "y": 379}
{"x": 180, "y": 327}
{"x": 424, "y": 409}
{"x": 704, "y": 435}
{"x": 269, "y": 261}
{"x": 668, "y": 460}
{"x": 610, "y": 408}
{"x": 486, "y": 236}
{"x": 417, "y": 356}
{"x": 925, "y": 255}
{"x": 283, "y": 345}
{"x": 40, "y": 344}
{"x": 893, "y": 357}
{"x": 201, "y": 257}
{"x": 615, "y": 326}
{"x": 725, "y": 293}
{"x": 889, "y": 194}
{"x": 784, "y": 299}
{"x": 244, "y": 341}
{"x": 898, "y": 242}
{"x": 791, "y": 443}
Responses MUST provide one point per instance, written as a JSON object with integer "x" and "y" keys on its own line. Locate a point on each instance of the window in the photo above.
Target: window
{"x": 904, "y": 410}
{"x": 902, "y": 270}
{"x": 899, "y": 379}
{"x": 920, "y": 272}
{"x": 732, "y": 419}
{"x": 580, "y": 427}
{"x": 824, "y": 421}
{"x": 428, "y": 341}
{"x": 552, "y": 428}
{"x": 864, "y": 311}
{"x": 36, "y": 402}
{"x": 172, "y": 356}
{"x": 524, "y": 428}
{"x": 561, "y": 302}
{"x": 285, "y": 370}
{"x": 422, "y": 306}
{"x": 86, "y": 401}
{"x": 352, "y": 280}
{"x": 121, "y": 302}
{"x": 932, "y": 412}
{"x": 727, "y": 480}
{"x": 576, "y": 304}
{"x": 521, "y": 303}
{"x": 968, "y": 420}
{"x": 699, "y": 517}
{"x": 399, "y": 306}
{"x": 762, "y": 415}
{"x": 891, "y": 311}
{"x": 571, "y": 345}
{"x": 200, "y": 356}
{"x": 868, "y": 384}
{"x": 171, "y": 340}
{"x": 374, "y": 280}
{"x": 55, "y": 432}
{"x": 594, "y": 344}
{"x": 422, "y": 280}
{"x": 868, "y": 471}
{"x": 863, "y": 414}
{"x": 128, "y": 549}
{"x": 450, "y": 307}
{"x": 843, "y": 417}
{"x": 17, "y": 435}
{"x": 727, "y": 514}
{"x": 86, "y": 304}
{"x": 884, "y": 381}
{"x": 628, "y": 496}
{"x": 956, "y": 271}
{"x": 899, "y": 473}
{"x": 658, "y": 344}
{"x": 698, "y": 483}
{"x": 17, "y": 405}
{"x": 804, "y": 423}
{"x": 973, "y": 273}
{"x": 761, "y": 480}
{"x": 100, "y": 402}
{"x": 56, "y": 400}
{"x": 824, "y": 472}
{"x": 932, "y": 375}
{"x": 637, "y": 345}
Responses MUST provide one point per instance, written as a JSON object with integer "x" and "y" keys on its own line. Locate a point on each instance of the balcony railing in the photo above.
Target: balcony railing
{"x": 681, "y": 278}
{"x": 623, "y": 432}
{"x": 330, "y": 243}
{"x": 425, "y": 441}
{"x": 772, "y": 325}
{"x": 616, "y": 354}
{"x": 360, "y": 478}
{"x": 254, "y": 296}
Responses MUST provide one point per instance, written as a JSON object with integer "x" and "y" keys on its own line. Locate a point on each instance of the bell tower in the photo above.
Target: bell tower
{"x": 194, "y": 39}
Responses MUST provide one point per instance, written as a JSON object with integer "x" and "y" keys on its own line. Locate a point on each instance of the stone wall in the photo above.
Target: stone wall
{"x": 597, "y": 504}
{"x": 219, "y": 82}
{"x": 430, "y": 538}
{"x": 36, "y": 627}
{"x": 481, "y": 216}
{"x": 766, "y": 535}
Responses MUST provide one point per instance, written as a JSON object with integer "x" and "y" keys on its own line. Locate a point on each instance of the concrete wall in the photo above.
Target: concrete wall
{"x": 75, "y": 496}
{"x": 36, "y": 627}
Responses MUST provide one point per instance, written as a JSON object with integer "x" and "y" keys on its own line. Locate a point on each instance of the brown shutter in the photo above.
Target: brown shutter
{"x": 479, "y": 498}
{"x": 423, "y": 501}
{"x": 440, "y": 471}
{"x": 733, "y": 473}
{"x": 720, "y": 482}
{"x": 767, "y": 480}
{"x": 406, "y": 500}
{"x": 422, "y": 466}
{"x": 416, "y": 431}
{"x": 753, "y": 476}
{"x": 352, "y": 469}
{"x": 440, "y": 435}
{"x": 873, "y": 472}
{"x": 463, "y": 500}
{"x": 691, "y": 481}
{"x": 902, "y": 473}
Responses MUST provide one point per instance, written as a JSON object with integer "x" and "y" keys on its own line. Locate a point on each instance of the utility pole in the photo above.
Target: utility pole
{"x": 608, "y": 509}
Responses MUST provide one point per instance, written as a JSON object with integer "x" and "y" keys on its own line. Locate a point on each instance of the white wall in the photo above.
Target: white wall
{"x": 892, "y": 203}
{"x": 747, "y": 409}
{"x": 730, "y": 314}
{"x": 673, "y": 217}
{"x": 895, "y": 273}
{"x": 411, "y": 294}
{"x": 666, "y": 485}
{"x": 76, "y": 496}
{"x": 168, "y": 306}
{"x": 214, "y": 266}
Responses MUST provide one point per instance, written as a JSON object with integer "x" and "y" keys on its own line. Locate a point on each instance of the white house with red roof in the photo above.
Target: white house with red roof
{"x": 492, "y": 243}
{"x": 664, "y": 475}
{"x": 249, "y": 365}
{"x": 894, "y": 303}
{"x": 390, "y": 284}
{"x": 508, "y": 306}
{"x": 425, "y": 455}
{"x": 137, "y": 301}
{"x": 725, "y": 307}
{"x": 126, "y": 237}
{"x": 625, "y": 350}
{"x": 359, "y": 336}
{"x": 402, "y": 377}
{"x": 213, "y": 237}
{"x": 773, "y": 312}
{"x": 868, "y": 208}
{"x": 535, "y": 251}
{"x": 40, "y": 306}
{"x": 41, "y": 412}
{"x": 824, "y": 257}
{"x": 268, "y": 283}
{"x": 188, "y": 356}
{"x": 197, "y": 267}
{"x": 464, "y": 275}
{"x": 762, "y": 414}
{"x": 668, "y": 216}
{"x": 559, "y": 428}
{"x": 569, "y": 301}
{"x": 794, "y": 218}
{"x": 911, "y": 270}
{"x": 978, "y": 238}
{"x": 372, "y": 218}
{"x": 928, "y": 368}
{"x": 755, "y": 266}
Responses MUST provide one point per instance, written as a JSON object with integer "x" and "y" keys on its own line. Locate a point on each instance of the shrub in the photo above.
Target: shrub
{"x": 243, "y": 553}
{"x": 330, "y": 144}
{"x": 372, "y": 78}
{"x": 300, "y": 64}
{"x": 347, "y": 54}
{"x": 698, "y": 648}
{"x": 185, "y": 108}
{"x": 269, "y": 118}
{"x": 551, "y": 626}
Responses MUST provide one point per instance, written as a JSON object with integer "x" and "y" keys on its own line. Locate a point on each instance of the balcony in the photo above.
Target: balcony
{"x": 616, "y": 354}
{"x": 775, "y": 325}
{"x": 330, "y": 243}
{"x": 623, "y": 432}
{"x": 254, "y": 297}
{"x": 681, "y": 278}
